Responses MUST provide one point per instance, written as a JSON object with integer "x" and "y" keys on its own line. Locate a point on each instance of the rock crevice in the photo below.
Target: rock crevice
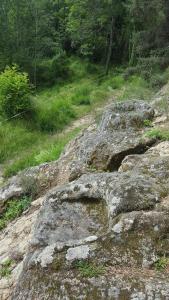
{"x": 108, "y": 207}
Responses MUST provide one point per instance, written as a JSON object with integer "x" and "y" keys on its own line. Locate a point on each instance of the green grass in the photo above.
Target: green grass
{"x": 15, "y": 138}
{"x": 136, "y": 88}
{"x": 31, "y": 142}
{"x": 53, "y": 115}
{"x": 89, "y": 270}
{"x": 162, "y": 263}
{"x": 5, "y": 269}
{"x": 147, "y": 123}
{"x": 163, "y": 106}
{"x": 47, "y": 149}
{"x": 13, "y": 210}
{"x": 161, "y": 134}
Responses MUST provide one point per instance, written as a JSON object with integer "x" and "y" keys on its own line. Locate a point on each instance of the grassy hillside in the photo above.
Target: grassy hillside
{"x": 28, "y": 143}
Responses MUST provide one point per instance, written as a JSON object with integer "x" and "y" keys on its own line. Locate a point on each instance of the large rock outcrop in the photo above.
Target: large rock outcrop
{"x": 102, "y": 147}
{"x": 110, "y": 219}
{"x": 105, "y": 218}
{"x": 103, "y": 227}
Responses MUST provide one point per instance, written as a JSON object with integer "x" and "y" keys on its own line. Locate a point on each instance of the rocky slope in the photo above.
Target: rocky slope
{"x": 101, "y": 230}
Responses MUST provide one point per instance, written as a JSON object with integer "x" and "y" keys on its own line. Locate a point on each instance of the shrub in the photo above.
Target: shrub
{"x": 14, "y": 92}
{"x": 30, "y": 186}
{"x": 82, "y": 96}
{"x": 49, "y": 71}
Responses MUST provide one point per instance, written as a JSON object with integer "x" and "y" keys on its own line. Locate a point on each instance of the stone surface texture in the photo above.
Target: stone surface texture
{"x": 106, "y": 211}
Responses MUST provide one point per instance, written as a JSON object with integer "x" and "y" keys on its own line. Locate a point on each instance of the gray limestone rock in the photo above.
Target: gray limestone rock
{"x": 105, "y": 221}
{"x": 124, "y": 210}
{"x": 120, "y": 133}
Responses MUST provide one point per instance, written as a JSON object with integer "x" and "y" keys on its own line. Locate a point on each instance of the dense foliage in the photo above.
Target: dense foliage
{"x": 77, "y": 53}
{"x": 39, "y": 34}
{"x": 14, "y": 92}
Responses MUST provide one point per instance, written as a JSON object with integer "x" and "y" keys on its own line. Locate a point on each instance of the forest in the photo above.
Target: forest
{"x": 84, "y": 149}
{"x": 60, "y": 58}
{"x": 39, "y": 36}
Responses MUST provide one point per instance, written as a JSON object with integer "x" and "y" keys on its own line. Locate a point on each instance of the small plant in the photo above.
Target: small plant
{"x": 162, "y": 263}
{"x": 13, "y": 210}
{"x": 82, "y": 96}
{"x": 158, "y": 134}
{"x": 147, "y": 123}
{"x": 89, "y": 270}
{"x": 5, "y": 268}
{"x": 30, "y": 185}
{"x": 163, "y": 105}
{"x": 117, "y": 82}
{"x": 92, "y": 168}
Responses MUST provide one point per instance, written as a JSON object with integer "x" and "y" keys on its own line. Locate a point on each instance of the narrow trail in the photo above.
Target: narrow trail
{"x": 86, "y": 120}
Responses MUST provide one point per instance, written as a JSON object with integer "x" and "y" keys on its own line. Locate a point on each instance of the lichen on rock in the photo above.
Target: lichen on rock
{"x": 108, "y": 206}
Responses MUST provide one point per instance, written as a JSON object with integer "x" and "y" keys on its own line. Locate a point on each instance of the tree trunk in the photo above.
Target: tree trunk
{"x": 35, "y": 53}
{"x": 109, "y": 53}
{"x": 133, "y": 46}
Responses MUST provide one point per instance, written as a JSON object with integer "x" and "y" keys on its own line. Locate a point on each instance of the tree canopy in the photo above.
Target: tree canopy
{"x": 34, "y": 32}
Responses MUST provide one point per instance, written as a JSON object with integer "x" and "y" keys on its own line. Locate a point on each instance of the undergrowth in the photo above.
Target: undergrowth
{"x": 25, "y": 143}
{"x": 162, "y": 263}
{"x": 5, "y": 269}
{"x": 90, "y": 270}
{"x": 13, "y": 210}
{"x": 161, "y": 134}
{"x": 47, "y": 149}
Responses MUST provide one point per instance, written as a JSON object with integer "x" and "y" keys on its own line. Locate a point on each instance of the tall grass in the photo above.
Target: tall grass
{"x": 136, "y": 88}
{"x": 15, "y": 138}
{"x": 25, "y": 144}
{"x": 47, "y": 149}
{"x": 54, "y": 116}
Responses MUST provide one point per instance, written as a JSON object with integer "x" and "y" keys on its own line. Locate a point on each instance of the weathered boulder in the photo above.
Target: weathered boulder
{"x": 13, "y": 246}
{"x": 114, "y": 220}
{"x": 103, "y": 220}
{"x": 120, "y": 133}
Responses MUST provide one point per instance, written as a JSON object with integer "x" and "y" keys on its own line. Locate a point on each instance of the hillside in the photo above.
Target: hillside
{"x": 84, "y": 150}
{"x": 26, "y": 143}
{"x": 120, "y": 198}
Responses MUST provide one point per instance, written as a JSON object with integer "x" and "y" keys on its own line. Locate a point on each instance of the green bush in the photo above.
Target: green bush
{"x": 14, "y": 92}
{"x": 52, "y": 70}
